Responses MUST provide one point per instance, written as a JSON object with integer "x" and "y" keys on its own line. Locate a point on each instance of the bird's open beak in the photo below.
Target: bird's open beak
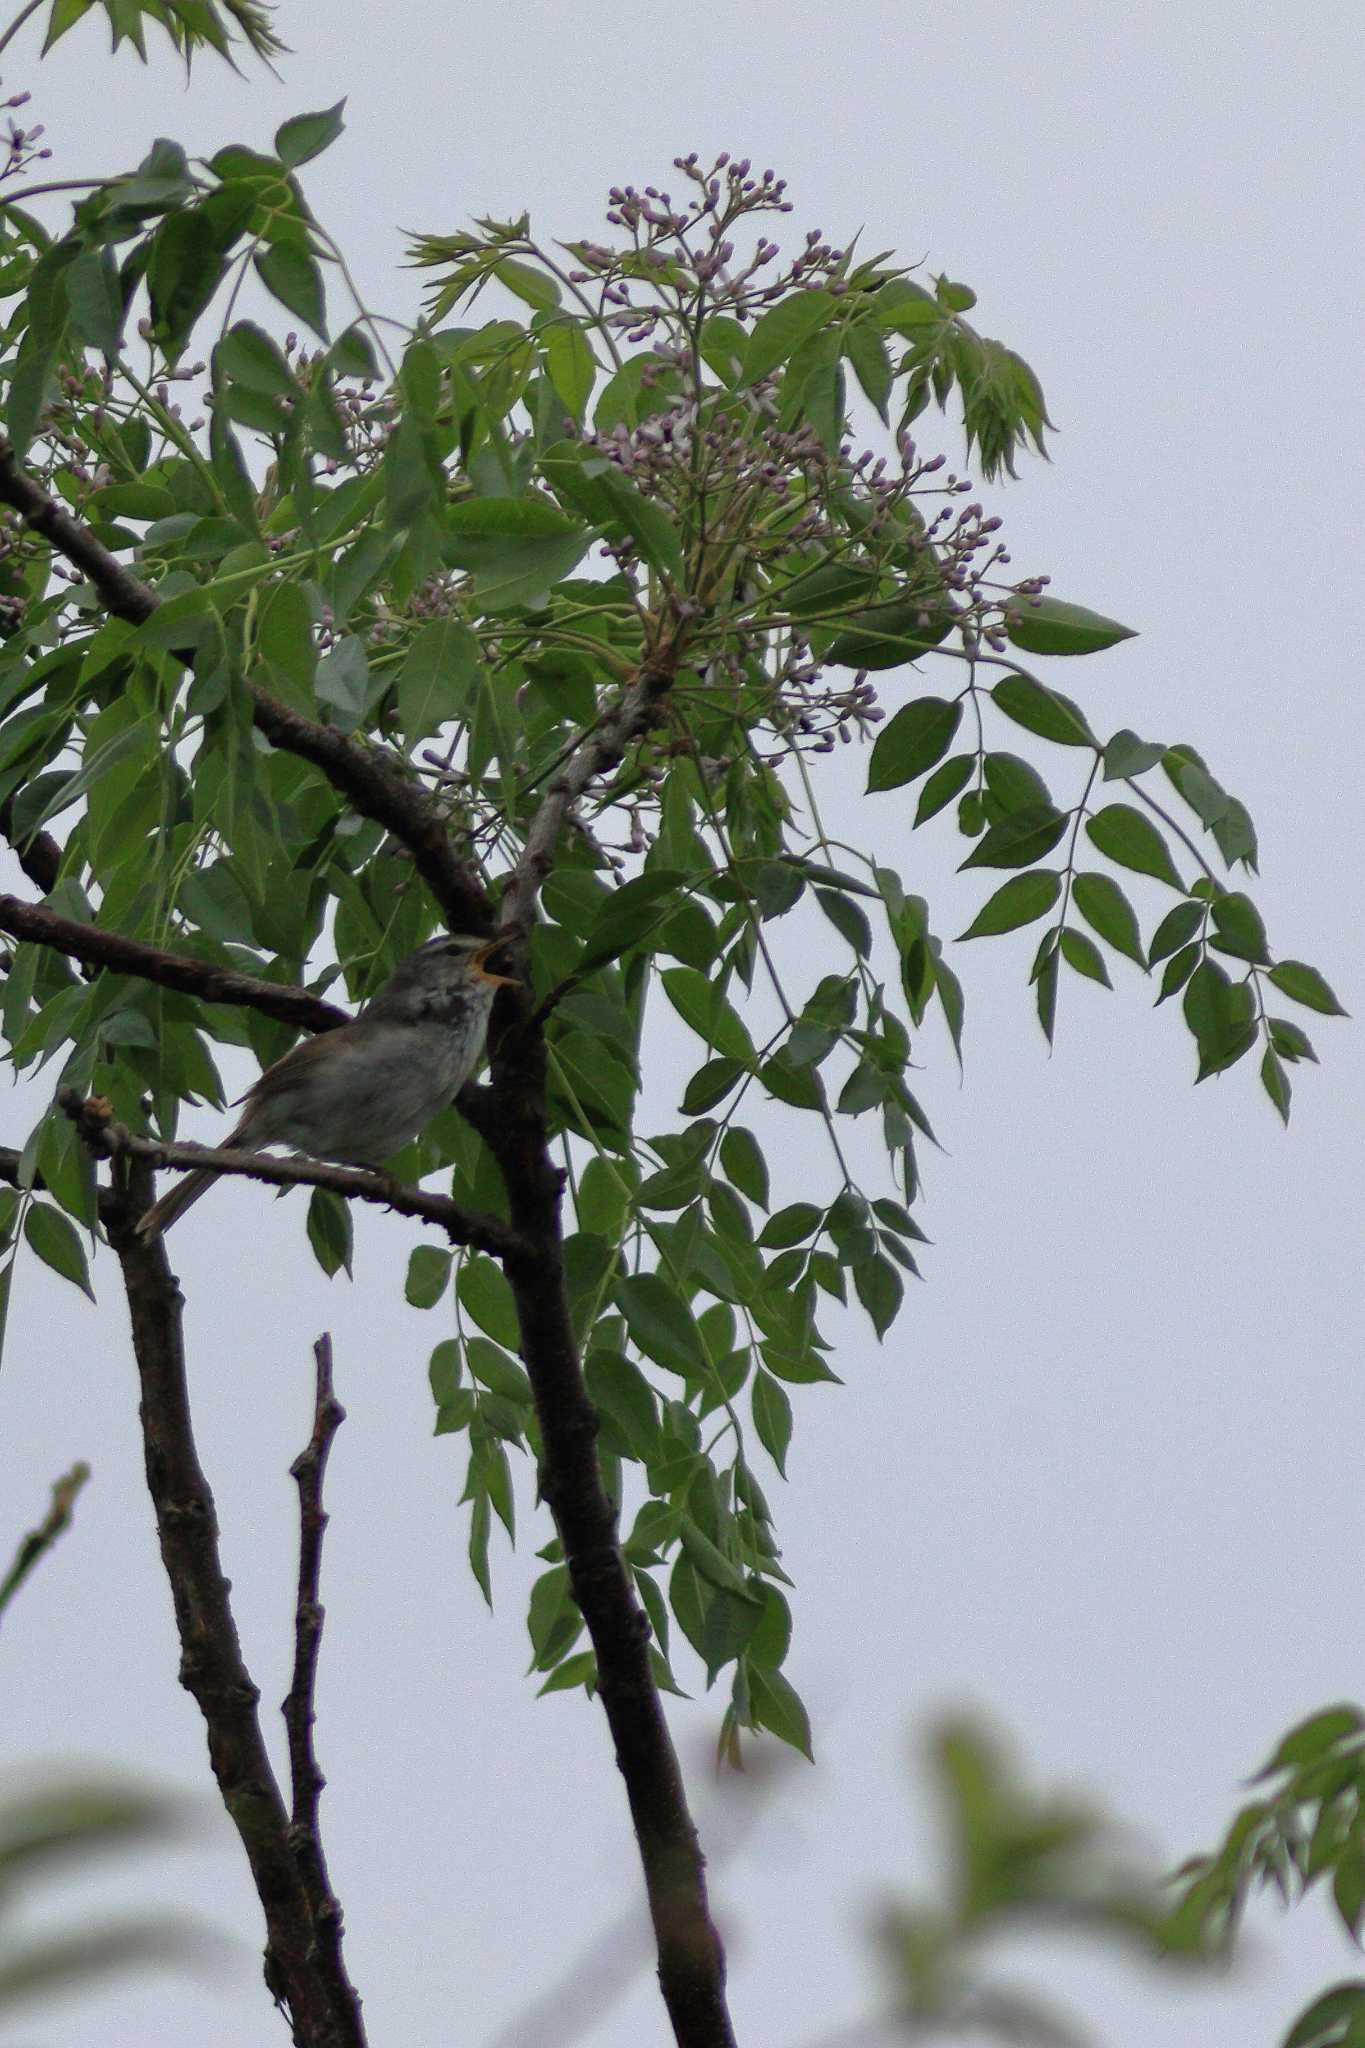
{"x": 499, "y": 980}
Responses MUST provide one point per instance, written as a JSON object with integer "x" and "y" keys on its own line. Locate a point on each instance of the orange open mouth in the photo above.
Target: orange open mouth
{"x": 498, "y": 980}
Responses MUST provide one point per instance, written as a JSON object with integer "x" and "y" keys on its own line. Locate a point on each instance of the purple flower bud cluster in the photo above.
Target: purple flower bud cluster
{"x": 19, "y": 141}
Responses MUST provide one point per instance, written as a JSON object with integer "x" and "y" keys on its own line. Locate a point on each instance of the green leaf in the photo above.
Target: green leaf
{"x": 880, "y": 1290}
{"x": 57, "y": 1242}
{"x": 647, "y": 524}
{"x": 533, "y": 287}
{"x": 329, "y": 1231}
{"x": 1289, "y": 1042}
{"x": 1303, "y": 984}
{"x": 1011, "y": 783}
{"x": 705, "y": 1557}
{"x": 1126, "y": 756}
{"x": 1128, "y": 838}
{"x": 710, "y": 1085}
{"x": 1177, "y": 971}
{"x": 569, "y": 362}
{"x": 618, "y": 1388}
{"x": 249, "y": 356}
{"x": 790, "y": 1226}
{"x": 703, "y": 1005}
{"x": 1018, "y": 902}
{"x": 484, "y": 1291}
{"x": 342, "y": 682}
{"x": 865, "y": 349}
{"x": 1041, "y": 711}
{"x": 496, "y": 1371}
{"x": 1336, "y": 2020}
{"x": 778, "y": 333}
{"x": 1107, "y": 910}
{"x": 552, "y": 1620}
{"x": 743, "y": 1163}
{"x": 1176, "y": 929}
{"x": 1217, "y": 1014}
{"x": 480, "y": 1525}
{"x": 1275, "y": 1081}
{"x": 1019, "y": 839}
{"x": 1045, "y": 976}
{"x": 188, "y": 262}
{"x": 1084, "y": 955}
{"x": 436, "y": 680}
{"x": 915, "y": 738}
{"x": 307, "y": 135}
{"x": 777, "y": 1706}
{"x": 428, "y": 1276}
{"x": 1239, "y": 929}
{"x": 848, "y": 920}
{"x": 943, "y": 785}
{"x": 772, "y": 1413}
{"x": 96, "y": 301}
{"x": 1048, "y": 626}
{"x": 888, "y": 635}
{"x": 1310, "y": 1740}
{"x": 514, "y": 549}
{"x": 445, "y": 1370}
{"x": 661, "y": 1324}
{"x": 716, "y": 1623}
{"x": 293, "y": 277}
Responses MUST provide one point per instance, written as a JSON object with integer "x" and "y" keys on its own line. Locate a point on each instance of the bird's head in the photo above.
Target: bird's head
{"x": 452, "y": 964}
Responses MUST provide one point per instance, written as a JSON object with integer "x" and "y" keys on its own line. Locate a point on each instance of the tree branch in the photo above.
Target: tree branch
{"x": 635, "y": 710}
{"x": 40, "y": 1540}
{"x": 110, "y": 1140}
{"x": 303, "y": 1968}
{"x": 371, "y": 780}
{"x": 691, "y": 1957}
{"x": 373, "y": 783}
{"x": 38, "y": 853}
{"x": 96, "y": 947}
{"x": 306, "y": 1779}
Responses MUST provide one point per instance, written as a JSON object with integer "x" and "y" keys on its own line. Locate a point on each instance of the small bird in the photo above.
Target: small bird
{"x": 361, "y": 1092}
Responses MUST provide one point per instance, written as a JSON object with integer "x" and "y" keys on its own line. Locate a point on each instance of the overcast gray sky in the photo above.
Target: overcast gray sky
{"x": 1104, "y": 1480}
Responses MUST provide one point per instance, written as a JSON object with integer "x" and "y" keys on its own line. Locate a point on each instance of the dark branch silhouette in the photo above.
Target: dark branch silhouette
{"x": 302, "y": 1953}
{"x": 95, "y": 947}
{"x": 306, "y": 1780}
{"x": 111, "y": 1140}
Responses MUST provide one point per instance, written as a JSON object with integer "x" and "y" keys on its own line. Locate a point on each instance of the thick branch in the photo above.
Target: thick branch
{"x": 371, "y": 781}
{"x": 306, "y": 1780}
{"x": 38, "y": 854}
{"x": 300, "y": 1916}
{"x": 110, "y": 1140}
{"x": 374, "y": 784}
{"x": 98, "y": 948}
{"x": 691, "y": 1958}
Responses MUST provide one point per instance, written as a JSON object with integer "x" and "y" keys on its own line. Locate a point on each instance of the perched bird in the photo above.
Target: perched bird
{"x": 361, "y": 1092}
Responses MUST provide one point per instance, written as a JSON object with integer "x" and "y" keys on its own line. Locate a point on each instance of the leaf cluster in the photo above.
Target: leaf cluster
{"x": 458, "y": 563}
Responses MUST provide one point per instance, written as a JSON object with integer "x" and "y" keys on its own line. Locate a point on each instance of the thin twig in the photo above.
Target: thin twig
{"x": 110, "y": 1140}
{"x": 306, "y": 1780}
{"x": 634, "y": 711}
{"x": 40, "y": 1540}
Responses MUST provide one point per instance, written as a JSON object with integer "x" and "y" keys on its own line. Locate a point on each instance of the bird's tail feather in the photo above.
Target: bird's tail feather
{"x": 173, "y": 1205}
